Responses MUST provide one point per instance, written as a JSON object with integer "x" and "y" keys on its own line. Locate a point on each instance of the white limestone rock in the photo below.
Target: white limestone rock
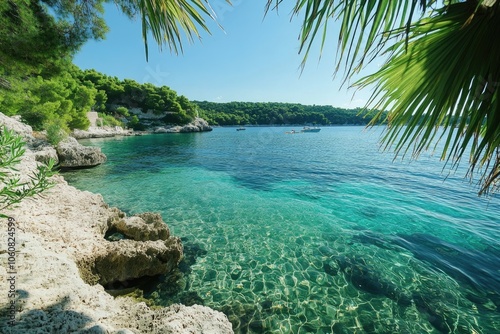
{"x": 74, "y": 155}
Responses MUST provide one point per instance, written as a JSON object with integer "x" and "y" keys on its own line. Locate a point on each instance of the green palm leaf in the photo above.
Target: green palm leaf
{"x": 444, "y": 81}
{"x": 167, "y": 20}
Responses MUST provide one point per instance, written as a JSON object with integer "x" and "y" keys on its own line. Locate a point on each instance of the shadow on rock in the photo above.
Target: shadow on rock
{"x": 55, "y": 318}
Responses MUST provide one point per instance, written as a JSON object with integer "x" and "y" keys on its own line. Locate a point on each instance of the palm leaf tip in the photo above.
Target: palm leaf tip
{"x": 169, "y": 22}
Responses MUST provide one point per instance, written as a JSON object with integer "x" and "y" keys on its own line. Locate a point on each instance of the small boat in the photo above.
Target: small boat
{"x": 240, "y": 128}
{"x": 292, "y": 132}
{"x": 309, "y": 129}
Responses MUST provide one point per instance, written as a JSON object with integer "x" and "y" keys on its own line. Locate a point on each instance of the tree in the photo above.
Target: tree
{"x": 441, "y": 78}
{"x": 36, "y": 34}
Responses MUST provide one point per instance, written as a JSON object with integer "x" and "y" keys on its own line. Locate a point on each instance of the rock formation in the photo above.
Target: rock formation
{"x": 74, "y": 155}
{"x": 42, "y": 150}
{"x": 101, "y": 132}
{"x": 141, "y": 227}
{"x": 61, "y": 253}
{"x": 197, "y": 125}
{"x": 147, "y": 249}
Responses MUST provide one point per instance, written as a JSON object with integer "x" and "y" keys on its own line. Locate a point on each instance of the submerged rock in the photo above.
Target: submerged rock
{"x": 366, "y": 278}
{"x": 74, "y": 155}
{"x": 475, "y": 268}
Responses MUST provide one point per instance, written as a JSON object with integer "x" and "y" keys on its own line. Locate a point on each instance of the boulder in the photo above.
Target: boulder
{"x": 179, "y": 319}
{"x": 160, "y": 129}
{"x": 41, "y": 150}
{"x": 126, "y": 260}
{"x": 74, "y": 155}
{"x": 14, "y": 124}
{"x": 100, "y": 132}
{"x": 190, "y": 128}
{"x": 202, "y": 124}
{"x": 46, "y": 154}
{"x": 142, "y": 227}
{"x": 198, "y": 125}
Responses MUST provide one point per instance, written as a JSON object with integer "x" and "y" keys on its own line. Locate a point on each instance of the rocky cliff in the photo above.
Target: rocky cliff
{"x": 62, "y": 259}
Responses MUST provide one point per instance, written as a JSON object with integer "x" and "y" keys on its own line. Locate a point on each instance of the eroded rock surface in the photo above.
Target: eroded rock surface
{"x": 141, "y": 227}
{"x": 74, "y": 155}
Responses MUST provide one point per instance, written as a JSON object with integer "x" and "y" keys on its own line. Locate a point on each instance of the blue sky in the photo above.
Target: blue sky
{"x": 253, "y": 59}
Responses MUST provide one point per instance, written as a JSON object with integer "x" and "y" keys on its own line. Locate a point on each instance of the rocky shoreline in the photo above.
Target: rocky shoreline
{"x": 197, "y": 125}
{"x": 63, "y": 259}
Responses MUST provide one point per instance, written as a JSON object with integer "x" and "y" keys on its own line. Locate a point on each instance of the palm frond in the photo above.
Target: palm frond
{"x": 366, "y": 25}
{"x": 167, "y": 20}
{"x": 445, "y": 82}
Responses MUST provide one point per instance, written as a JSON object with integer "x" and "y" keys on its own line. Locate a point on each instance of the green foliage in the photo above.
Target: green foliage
{"x": 449, "y": 94}
{"x": 57, "y": 131}
{"x": 40, "y": 101}
{"x": 35, "y": 35}
{"x": 166, "y": 22}
{"x": 178, "y": 118}
{"x": 240, "y": 113}
{"x": 120, "y": 95}
{"x": 13, "y": 190}
{"x": 109, "y": 120}
{"x": 122, "y": 111}
{"x": 135, "y": 124}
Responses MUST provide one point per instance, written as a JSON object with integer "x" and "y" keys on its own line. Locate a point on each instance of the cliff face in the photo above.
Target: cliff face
{"x": 61, "y": 256}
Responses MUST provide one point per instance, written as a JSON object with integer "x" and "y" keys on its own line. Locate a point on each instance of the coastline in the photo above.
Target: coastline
{"x": 56, "y": 234}
{"x": 197, "y": 125}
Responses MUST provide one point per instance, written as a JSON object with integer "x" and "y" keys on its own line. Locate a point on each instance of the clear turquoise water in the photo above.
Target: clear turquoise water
{"x": 312, "y": 233}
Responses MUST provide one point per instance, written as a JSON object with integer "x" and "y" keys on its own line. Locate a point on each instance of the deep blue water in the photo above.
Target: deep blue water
{"x": 312, "y": 232}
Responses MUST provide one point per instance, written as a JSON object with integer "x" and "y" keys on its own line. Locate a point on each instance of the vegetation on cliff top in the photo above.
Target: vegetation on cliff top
{"x": 38, "y": 81}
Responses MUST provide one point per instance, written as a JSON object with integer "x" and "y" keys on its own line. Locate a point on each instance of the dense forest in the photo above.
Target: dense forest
{"x": 273, "y": 113}
{"x": 65, "y": 98}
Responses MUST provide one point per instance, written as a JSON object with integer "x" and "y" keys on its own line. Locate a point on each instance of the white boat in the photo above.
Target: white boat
{"x": 309, "y": 129}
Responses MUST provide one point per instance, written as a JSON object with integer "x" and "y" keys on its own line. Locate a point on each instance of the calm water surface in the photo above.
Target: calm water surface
{"x": 314, "y": 232}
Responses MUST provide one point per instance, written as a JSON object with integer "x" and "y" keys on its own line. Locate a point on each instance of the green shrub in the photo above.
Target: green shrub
{"x": 57, "y": 131}
{"x": 122, "y": 111}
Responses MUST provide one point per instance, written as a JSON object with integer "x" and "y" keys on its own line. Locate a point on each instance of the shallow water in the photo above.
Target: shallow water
{"x": 313, "y": 232}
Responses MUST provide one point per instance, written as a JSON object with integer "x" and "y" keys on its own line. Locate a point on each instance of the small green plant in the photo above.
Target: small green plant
{"x": 56, "y": 131}
{"x": 12, "y": 189}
